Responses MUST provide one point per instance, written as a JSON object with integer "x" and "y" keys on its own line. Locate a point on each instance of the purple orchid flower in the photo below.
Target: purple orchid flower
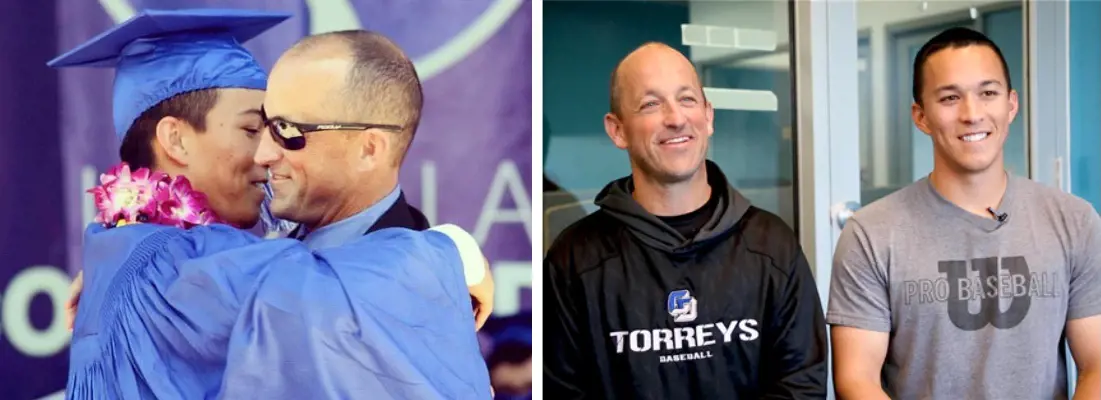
{"x": 183, "y": 206}
{"x": 127, "y": 196}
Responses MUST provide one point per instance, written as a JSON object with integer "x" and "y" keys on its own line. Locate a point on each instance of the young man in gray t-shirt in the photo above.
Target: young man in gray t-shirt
{"x": 966, "y": 284}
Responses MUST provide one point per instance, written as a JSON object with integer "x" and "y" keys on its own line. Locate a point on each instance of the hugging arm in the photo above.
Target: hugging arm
{"x": 397, "y": 323}
{"x": 476, "y": 271}
{"x": 479, "y": 281}
{"x": 156, "y": 284}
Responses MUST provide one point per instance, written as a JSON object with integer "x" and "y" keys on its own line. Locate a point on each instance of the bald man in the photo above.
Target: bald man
{"x": 677, "y": 287}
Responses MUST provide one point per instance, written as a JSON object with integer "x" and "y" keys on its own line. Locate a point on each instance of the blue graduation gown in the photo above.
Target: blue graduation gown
{"x": 214, "y": 312}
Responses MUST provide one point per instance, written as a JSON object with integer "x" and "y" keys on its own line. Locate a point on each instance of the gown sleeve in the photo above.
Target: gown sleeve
{"x": 154, "y": 320}
{"x": 385, "y": 316}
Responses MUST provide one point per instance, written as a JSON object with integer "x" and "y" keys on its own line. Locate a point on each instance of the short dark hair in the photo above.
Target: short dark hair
{"x": 191, "y": 107}
{"x": 382, "y": 81}
{"x": 953, "y": 38}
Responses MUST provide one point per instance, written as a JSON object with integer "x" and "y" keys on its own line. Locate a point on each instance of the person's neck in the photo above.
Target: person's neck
{"x": 974, "y": 192}
{"x": 671, "y": 199}
{"x": 173, "y": 170}
{"x": 352, "y": 202}
{"x": 169, "y": 169}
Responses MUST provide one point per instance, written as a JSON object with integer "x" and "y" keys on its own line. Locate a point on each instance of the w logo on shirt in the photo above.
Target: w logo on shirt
{"x": 989, "y": 287}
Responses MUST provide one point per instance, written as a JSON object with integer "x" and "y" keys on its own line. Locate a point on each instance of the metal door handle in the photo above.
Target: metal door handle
{"x": 841, "y": 212}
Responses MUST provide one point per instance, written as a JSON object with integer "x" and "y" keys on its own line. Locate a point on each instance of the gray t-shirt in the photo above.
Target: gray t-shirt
{"x": 975, "y": 307}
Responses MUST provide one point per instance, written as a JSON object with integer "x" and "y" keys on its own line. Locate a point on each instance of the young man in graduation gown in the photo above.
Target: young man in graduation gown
{"x": 164, "y": 306}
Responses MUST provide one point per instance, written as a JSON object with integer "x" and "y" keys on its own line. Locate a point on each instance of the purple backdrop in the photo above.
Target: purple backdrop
{"x": 470, "y": 163}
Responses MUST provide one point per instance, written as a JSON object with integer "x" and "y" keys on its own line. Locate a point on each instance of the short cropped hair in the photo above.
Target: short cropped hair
{"x": 953, "y": 38}
{"x": 382, "y": 85}
{"x": 191, "y": 107}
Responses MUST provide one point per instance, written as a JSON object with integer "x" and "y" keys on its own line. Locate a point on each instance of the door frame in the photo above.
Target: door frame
{"x": 827, "y": 125}
{"x": 1047, "y": 30}
{"x": 827, "y": 134}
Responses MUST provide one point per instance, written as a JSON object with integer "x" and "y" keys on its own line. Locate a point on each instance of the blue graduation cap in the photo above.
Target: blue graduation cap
{"x": 159, "y": 54}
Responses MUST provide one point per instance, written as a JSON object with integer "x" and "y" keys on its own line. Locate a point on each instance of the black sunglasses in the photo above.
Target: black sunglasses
{"x": 292, "y": 135}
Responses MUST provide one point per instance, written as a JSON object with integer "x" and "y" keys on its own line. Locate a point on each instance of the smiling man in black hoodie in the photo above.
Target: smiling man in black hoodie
{"x": 677, "y": 287}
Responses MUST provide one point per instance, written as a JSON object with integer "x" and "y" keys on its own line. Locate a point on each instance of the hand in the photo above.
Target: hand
{"x": 74, "y": 298}
{"x": 481, "y": 297}
{"x": 511, "y": 377}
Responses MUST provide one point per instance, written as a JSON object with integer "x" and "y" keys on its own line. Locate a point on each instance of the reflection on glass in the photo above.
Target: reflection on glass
{"x": 894, "y": 153}
{"x": 741, "y": 53}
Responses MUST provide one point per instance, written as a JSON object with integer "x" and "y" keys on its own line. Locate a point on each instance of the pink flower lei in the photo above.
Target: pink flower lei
{"x": 124, "y": 197}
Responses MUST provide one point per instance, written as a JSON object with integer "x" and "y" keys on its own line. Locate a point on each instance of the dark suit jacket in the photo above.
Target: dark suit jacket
{"x": 401, "y": 215}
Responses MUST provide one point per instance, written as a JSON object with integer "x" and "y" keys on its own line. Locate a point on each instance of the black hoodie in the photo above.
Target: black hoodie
{"x": 634, "y": 310}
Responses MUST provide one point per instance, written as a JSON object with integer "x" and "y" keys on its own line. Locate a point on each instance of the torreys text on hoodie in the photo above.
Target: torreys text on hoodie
{"x": 698, "y": 338}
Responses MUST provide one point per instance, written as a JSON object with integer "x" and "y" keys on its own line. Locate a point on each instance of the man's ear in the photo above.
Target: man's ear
{"x": 170, "y": 138}
{"x": 614, "y": 128}
{"x": 709, "y": 109}
{"x": 374, "y": 149}
{"x": 917, "y": 113}
{"x": 1013, "y": 104}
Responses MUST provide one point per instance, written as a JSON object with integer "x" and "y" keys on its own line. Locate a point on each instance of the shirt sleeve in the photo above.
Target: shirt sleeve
{"x": 795, "y": 363}
{"x": 858, "y": 288}
{"x": 565, "y": 374}
{"x": 1085, "y": 278}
